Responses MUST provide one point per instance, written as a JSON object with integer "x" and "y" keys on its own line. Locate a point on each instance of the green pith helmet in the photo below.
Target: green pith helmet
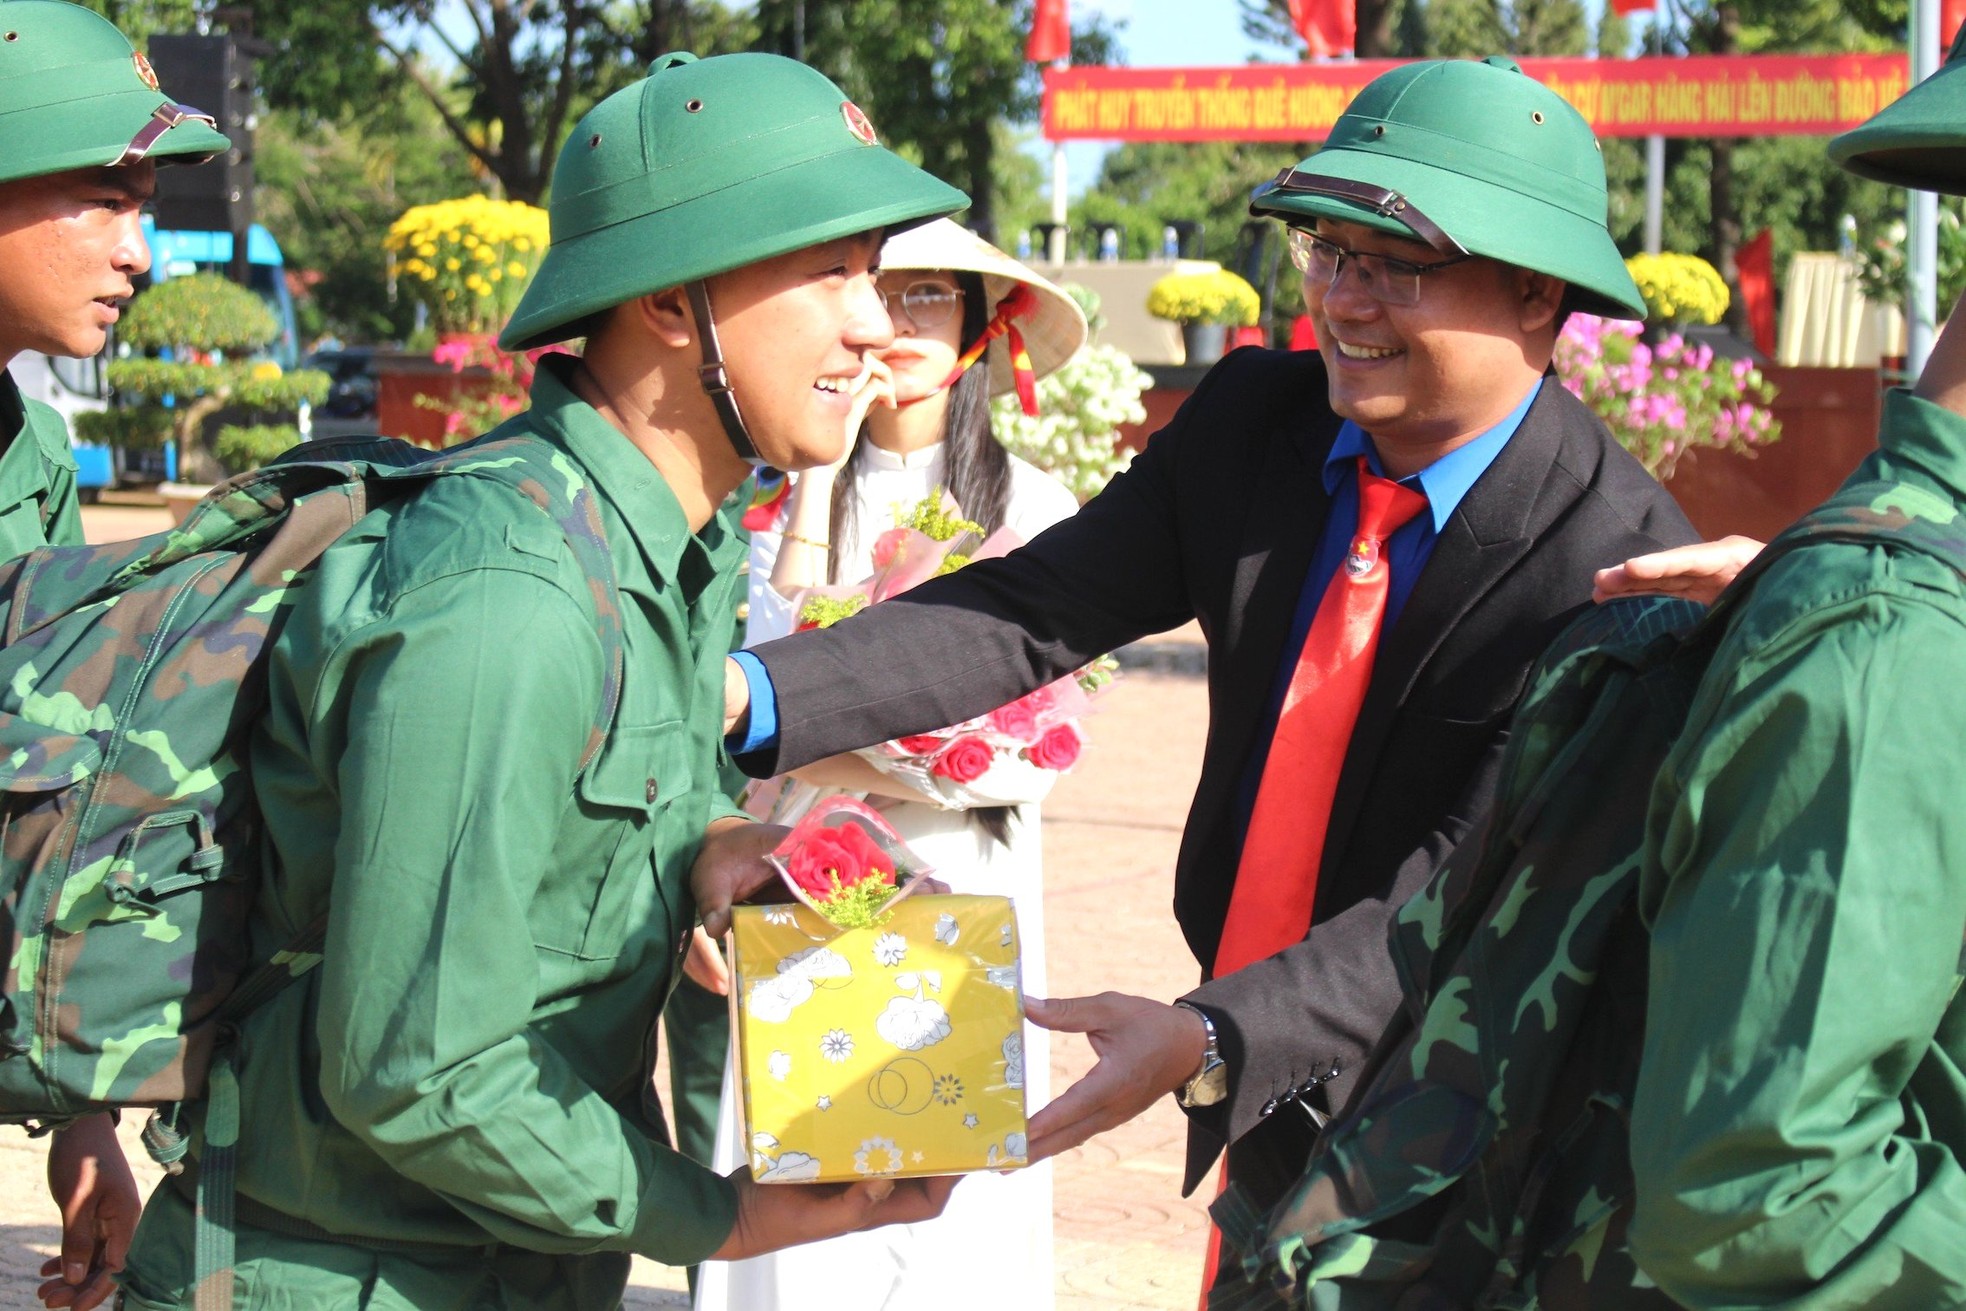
{"x": 74, "y": 93}
{"x": 705, "y": 166}
{"x": 1469, "y": 156}
{"x": 1919, "y": 139}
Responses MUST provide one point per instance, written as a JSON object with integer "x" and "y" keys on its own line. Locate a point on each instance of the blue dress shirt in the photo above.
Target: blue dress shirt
{"x": 1443, "y": 483}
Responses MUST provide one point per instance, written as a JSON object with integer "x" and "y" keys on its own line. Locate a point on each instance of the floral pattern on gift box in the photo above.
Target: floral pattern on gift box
{"x": 878, "y": 1156}
{"x": 769, "y": 1164}
{"x": 945, "y": 930}
{"x": 890, "y": 949}
{"x": 836, "y": 1046}
{"x": 1013, "y": 1060}
{"x": 779, "y": 1066}
{"x": 773, "y": 1000}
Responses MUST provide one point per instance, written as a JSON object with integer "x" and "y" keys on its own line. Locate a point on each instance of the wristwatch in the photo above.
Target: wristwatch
{"x": 1210, "y": 1083}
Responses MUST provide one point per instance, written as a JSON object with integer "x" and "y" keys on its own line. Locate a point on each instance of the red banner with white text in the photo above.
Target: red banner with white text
{"x": 1694, "y": 96}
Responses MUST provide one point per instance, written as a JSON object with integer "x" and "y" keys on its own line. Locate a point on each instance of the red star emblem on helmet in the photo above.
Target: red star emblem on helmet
{"x": 145, "y": 73}
{"x": 857, "y": 122}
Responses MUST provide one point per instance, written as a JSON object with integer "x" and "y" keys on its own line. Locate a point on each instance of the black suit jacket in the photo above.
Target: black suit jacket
{"x": 1217, "y": 520}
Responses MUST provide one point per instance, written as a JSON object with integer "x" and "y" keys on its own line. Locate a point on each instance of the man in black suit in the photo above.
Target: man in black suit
{"x": 1454, "y": 218}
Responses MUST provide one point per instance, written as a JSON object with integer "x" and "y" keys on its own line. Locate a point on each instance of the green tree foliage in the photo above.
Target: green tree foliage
{"x": 142, "y": 19}
{"x": 506, "y": 78}
{"x": 329, "y": 189}
{"x": 939, "y": 78}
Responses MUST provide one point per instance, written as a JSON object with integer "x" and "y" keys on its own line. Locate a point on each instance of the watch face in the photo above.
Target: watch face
{"x": 1211, "y": 1087}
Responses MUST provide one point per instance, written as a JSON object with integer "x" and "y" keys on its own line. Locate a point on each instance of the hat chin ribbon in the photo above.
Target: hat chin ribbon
{"x": 712, "y": 377}
{"x": 1021, "y": 301}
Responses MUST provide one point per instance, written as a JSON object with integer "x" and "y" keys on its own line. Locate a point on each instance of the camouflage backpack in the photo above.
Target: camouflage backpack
{"x": 131, "y": 676}
{"x": 1483, "y": 1159}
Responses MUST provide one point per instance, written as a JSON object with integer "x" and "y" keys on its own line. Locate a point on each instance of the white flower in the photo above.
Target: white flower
{"x": 778, "y": 914}
{"x": 889, "y": 948}
{"x": 878, "y": 1156}
{"x": 779, "y": 1065}
{"x": 912, "y": 1024}
{"x": 946, "y": 930}
{"x": 933, "y": 978}
{"x": 1003, "y": 976}
{"x": 816, "y": 963}
{"x": 836, "y": 1045}
{"x": 772, "y": 1001}
{"x": 791, "y": 1168}
{"x": 1013, "y": 1059}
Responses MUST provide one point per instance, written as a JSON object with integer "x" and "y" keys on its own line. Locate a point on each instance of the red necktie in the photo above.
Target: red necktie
{"x": 1276, "y": 881}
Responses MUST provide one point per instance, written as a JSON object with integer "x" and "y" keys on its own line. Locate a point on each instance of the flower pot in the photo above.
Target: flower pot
{"x": 1203, "y": 343}
{"x": 181, "y": 498}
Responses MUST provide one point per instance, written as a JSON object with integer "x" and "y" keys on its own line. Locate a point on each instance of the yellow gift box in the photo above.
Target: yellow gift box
{"x": 894, "y": 1050}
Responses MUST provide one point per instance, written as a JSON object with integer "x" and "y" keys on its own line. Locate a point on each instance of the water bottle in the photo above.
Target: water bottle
{"x": 1109, "y": 244}
{"x": 1170, "y": 244}
{"x": 1024, "y": 244}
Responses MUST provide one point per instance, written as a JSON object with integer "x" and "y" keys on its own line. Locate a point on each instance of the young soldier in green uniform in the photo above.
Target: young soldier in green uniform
{"x": 85, "y": 127}
{"x": 1799, "y": 1124}
{"x": 454, "y": 1109}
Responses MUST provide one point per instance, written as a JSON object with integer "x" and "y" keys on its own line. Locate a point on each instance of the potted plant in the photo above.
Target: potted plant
{"x": 466, "y": 263}
{"x": 1206, "y": 304}
{"x": 200, "y": 329}
{"x": 1679, "y": 290}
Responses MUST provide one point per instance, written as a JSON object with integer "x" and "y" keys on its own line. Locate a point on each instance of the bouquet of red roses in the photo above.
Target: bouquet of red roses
{"x": 1006, "y": 757}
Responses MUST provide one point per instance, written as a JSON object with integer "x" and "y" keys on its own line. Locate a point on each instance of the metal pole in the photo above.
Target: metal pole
{"x": 1922, "y": 256}
{"x": 1056, "y": 247}
{"x": 1655, "y": 165}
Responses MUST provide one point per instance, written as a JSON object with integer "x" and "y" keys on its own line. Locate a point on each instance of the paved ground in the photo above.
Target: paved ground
{"x": 1126, "y": 1239}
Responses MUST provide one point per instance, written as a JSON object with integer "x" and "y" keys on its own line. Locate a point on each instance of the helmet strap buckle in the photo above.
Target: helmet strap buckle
{"x": 712, "y": 376}
{"x": 162, "y": 119}
{"x": 1381, "y": 201}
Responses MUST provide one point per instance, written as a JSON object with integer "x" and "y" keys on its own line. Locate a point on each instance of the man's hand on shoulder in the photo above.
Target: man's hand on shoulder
{"x": 1699, "y": 572}
{"x": 772, "y": 1216}
{"x": 1146, "y": 1049}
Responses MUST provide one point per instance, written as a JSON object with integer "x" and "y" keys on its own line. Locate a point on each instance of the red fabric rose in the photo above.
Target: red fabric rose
{"x": 845, "y": 852}
{"x": 921, "y": 744}
{"x": 964, "y": 760}
{"x": 1017, "y": 721}
{"x": 1058, "y": 749}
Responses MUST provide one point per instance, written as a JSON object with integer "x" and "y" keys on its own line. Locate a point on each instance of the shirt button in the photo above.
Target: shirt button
{"x": 651, "y": 791}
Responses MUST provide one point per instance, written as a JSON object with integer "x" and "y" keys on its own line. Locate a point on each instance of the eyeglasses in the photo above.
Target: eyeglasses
{"x": 1387, "y": 280}
{"x": 927, "y": 304}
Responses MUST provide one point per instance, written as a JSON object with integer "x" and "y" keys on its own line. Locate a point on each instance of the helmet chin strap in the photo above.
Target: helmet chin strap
{"x": 714, "y": 380}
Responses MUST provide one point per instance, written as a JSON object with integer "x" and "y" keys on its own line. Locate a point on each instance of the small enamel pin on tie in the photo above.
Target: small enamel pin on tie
{"x": 1362, "y": 557}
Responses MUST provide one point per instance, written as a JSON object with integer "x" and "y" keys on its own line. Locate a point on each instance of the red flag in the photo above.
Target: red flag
{"x": 1634, "y": 6}
{"x": 1951, "y": 14}
{"x": 1754, "y": 267}
{"x": 1329, "y": 27}
{"x": 1051, "y": 33}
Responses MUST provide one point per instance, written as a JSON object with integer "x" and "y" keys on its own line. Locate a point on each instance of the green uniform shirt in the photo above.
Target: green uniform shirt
{"x": 37, "y": 476}
{"x": 471, "y": 1061}
{"x": 1800, "y": 1119}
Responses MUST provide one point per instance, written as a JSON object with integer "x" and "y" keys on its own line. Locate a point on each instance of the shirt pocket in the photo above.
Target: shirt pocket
{"x": 610, "y": 895}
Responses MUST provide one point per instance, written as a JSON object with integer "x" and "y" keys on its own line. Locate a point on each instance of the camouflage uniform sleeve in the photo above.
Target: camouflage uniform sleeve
{"x": 454, "y": 793}
{"x": 1804, "y": 893}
